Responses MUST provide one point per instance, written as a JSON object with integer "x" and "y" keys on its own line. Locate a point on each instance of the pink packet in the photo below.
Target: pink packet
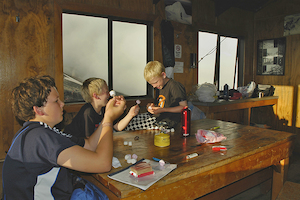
{"x": 207, "y": 136}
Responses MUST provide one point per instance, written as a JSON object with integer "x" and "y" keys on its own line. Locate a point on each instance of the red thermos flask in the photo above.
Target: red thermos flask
{"x": 185, "y": 121}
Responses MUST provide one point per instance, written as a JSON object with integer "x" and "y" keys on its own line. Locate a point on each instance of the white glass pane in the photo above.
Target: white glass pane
{"x": 227, "y": 61}
{"x": 129, "y": 58}
{"x": 85, "y": 49}
{"x": 206, "y": 57}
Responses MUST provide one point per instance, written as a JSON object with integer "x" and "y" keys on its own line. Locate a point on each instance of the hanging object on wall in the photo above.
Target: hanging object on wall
{"x": 291, "y": 25}
{"x": 170, "y": 72}
{"x": 178, "y": 68}
{"x": 178, "y": 50}
{"x": 271, "y": 56}
{"x": 193, "y": 60}
{"x": 167, "y": 39}
{"x": 17, "y": 18}
{"x": 178, "y": 10}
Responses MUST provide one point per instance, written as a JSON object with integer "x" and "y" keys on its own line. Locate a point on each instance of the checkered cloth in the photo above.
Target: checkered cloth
{"x": 142, "y": 121}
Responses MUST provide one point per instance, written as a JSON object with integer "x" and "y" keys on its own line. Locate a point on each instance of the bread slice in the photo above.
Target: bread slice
{"x": 141, "y": 169}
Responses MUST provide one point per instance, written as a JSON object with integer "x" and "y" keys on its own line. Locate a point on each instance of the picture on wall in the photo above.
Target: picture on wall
{"x": 271, "y": 56}
{"x": 292, "y": 25}
{"x": 179, "y": 10}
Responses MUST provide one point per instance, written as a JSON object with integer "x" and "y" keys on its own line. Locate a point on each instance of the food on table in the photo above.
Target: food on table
{"x": 141, "y": 169}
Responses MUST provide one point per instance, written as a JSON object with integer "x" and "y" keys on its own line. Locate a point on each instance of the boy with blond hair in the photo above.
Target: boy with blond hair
{"x": 95, "y": 93}
{"x": 170, "y": 99}
{"x": 40, "y": 156}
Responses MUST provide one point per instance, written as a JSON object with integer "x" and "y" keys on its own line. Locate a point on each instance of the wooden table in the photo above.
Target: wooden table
{"x": 247, "y": 162}
{"x": 210, "y": 108}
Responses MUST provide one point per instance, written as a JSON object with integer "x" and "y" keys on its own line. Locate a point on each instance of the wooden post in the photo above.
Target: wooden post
{"x": 279, "y": 176}
{"x": 247, "y": 116}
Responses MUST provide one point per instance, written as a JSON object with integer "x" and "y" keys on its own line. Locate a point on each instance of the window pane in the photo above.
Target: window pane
{"x": 227, "y": 61}
{"x": 207, "y": 57}
{"x": 85, "y": 51}
{"x": 129, "y": 58}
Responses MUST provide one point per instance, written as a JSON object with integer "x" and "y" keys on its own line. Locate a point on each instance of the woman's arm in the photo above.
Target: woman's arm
{"x": 99, "y": 160}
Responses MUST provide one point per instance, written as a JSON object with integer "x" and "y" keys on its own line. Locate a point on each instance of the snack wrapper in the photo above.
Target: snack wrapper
{"x": 207, "y": 136}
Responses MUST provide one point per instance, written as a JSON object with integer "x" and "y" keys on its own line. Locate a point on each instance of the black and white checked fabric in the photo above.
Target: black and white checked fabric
{"x": 141, "y": 122}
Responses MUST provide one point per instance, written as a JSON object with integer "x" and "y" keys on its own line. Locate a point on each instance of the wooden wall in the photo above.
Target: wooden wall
{"x": 26, "y": 49}
{"x": 268, "y": 24}
{"x": 32, "y": 46}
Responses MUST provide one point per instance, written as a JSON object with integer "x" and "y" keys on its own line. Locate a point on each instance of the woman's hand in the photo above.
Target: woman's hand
{"x": 115, "y": 108}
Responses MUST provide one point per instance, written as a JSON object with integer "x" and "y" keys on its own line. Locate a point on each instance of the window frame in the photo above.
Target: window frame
{"x": 150, "y": 55}
{"x": 93, "y": 10}
{"x": 240, "y": 57}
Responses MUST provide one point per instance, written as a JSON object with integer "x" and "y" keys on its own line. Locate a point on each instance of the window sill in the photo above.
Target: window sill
{"x": 75, "y": 107}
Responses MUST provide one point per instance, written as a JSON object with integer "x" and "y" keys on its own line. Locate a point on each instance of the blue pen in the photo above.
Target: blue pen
{"x": 156, "y": 159}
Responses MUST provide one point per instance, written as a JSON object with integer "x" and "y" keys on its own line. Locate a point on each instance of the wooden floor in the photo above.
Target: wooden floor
{"x": 289, "y": 191}
{"x": 256, "y": 193}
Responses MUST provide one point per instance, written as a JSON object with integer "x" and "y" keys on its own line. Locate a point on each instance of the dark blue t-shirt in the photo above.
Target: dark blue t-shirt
{"x": 85, "y": 122}
{"x": 30, "y": 169}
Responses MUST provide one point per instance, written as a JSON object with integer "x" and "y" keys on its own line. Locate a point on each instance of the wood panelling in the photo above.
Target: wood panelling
{"x": 25, "y": 51}
{"x": 187, "y": 38}
{"x": 268, "y": 24}
{"x": 33, "y": 46}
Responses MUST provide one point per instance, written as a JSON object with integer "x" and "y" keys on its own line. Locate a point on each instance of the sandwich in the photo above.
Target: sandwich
{"x": 141, "y": 169}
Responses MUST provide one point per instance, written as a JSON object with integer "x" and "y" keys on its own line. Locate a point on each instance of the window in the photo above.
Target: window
{"x": 217, "y": 65}
{"x": 113, "y": 49}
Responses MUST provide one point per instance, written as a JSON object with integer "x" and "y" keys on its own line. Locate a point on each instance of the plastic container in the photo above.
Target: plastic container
{"x": 162, "y": 140}
{"x": 185, "y": 121}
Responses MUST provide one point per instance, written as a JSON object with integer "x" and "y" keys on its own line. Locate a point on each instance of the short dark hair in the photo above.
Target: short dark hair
{"x": 32, "y": 91}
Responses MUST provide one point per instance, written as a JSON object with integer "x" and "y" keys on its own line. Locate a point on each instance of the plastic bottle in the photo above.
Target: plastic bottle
{"x": 185, "y": 121}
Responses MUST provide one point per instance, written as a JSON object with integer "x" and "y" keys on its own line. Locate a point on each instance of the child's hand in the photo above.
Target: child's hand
{"x": 115, "y": 108}
{"x": 134, "y": 110}
{"x": 149, "y": 107}
{"x": 156, "y": 110}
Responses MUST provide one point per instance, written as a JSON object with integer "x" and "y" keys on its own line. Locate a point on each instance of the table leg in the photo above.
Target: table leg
{"x": 279, "y": 176}
{"x": 210, "y": 115}
{"x": 247, "y": 116}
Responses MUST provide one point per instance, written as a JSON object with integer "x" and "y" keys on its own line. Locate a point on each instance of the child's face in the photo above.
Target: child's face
{"x": 104, "y": 96}
{"x": 53, "y": 109}
{"x": 158, "y": 82}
